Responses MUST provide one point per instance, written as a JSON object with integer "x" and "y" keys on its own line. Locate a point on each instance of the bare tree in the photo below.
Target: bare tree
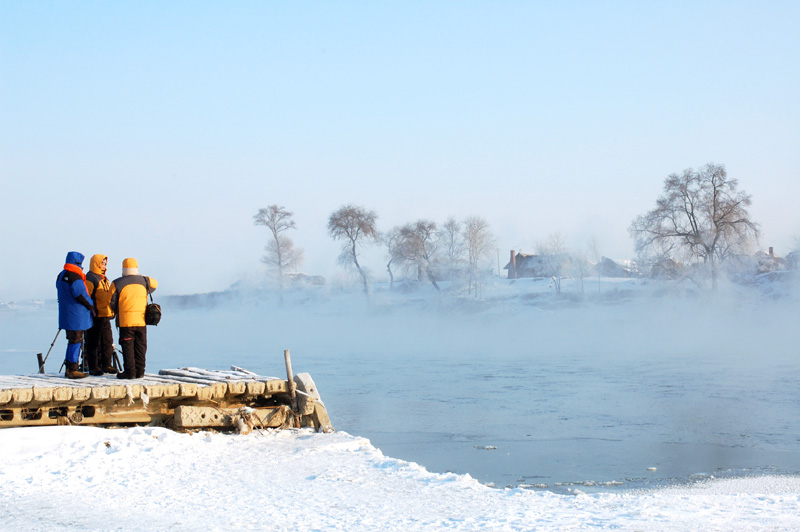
{"x": 479, "y": 243}
{"x": 391, "y": 240}
{"x": 553, "y": 251}
{"x": 701, "y": 216}
{"x": 356, "y": 227}
{"x": 280, "y": 251}
{"x": 578, "y": 268}
{"x": 418, "y": 246}
{"x": 452, "y": 242}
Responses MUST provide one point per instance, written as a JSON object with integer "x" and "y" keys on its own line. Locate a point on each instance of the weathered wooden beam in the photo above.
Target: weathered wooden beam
{"x": 321, "y": 421}
{"x": 188, "y": 417}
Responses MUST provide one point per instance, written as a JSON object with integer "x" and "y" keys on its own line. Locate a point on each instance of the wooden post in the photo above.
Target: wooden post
{"x": 292, "y": 385}
{"x": 41, "y": 362}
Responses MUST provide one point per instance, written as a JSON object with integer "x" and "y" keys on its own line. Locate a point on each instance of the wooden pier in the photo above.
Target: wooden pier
{"x": 180, "y": 399}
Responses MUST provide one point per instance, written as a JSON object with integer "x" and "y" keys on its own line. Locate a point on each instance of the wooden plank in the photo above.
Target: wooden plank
{"x": 233, "y": 374}
{"x": 203, "y": 375}
{"x": 42, "y": 399}
{"x": 237, "y": 369}
{"x": 321, "y": 421}
{"x": 305, "y": 403}
{"x": 101, "y": 416}
{"x": 197, "y": 377}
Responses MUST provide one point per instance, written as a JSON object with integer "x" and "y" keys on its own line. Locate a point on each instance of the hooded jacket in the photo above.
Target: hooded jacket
{"x": 74, "y": 302}
{"x": 129, "y": 297}
{"x": 99, "y": 287}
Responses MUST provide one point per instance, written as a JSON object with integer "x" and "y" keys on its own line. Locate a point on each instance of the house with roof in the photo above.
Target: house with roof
{"x": 531, "y": 265}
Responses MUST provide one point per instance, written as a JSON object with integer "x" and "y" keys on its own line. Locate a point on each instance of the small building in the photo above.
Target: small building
{"x": 793, "y": 260}
{"x": 769, "y": 262}
{"x": 608, "y": 268}
{"x": 531, "y": 265}
{"x": 667, "y": 269}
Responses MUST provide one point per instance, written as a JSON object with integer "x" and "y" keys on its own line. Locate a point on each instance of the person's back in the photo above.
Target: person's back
{"x": 129, "y": 302}
{"x": 131, "y": 294}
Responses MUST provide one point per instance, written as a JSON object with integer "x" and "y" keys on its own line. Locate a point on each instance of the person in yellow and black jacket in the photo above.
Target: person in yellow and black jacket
{"x": 99, "y": 348}
{"x": 128, "y": 302}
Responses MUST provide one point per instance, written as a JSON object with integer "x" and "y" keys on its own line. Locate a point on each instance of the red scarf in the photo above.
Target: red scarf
{"x": 74, "y": 268}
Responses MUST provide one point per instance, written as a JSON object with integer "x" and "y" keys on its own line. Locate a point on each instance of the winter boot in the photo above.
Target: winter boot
{"x": 73, "y": 372}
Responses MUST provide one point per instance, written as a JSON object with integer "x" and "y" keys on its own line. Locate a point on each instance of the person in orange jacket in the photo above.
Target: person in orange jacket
{"x": 128, "y": 302}
{"x": 99, "y": 349}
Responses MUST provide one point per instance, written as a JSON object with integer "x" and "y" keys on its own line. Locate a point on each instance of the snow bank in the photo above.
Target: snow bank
{"x": 84, "y": 478}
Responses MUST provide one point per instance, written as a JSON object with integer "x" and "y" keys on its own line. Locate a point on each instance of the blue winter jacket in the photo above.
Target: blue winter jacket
{"x": 74, "y": 301}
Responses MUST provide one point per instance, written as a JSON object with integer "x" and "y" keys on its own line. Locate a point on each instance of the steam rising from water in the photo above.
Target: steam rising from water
{"x": 603, "y": 389}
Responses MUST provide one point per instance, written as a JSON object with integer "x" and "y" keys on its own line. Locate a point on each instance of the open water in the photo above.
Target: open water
{"x": 558, "y": 422}
{"x": 553, "y": 401}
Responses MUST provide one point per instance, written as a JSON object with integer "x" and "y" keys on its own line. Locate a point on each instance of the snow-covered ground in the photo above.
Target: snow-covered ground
{"x": 83, "y": 478}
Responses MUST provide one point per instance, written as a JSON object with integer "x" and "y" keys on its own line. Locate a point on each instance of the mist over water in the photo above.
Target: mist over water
{"x": 515, "y": 389}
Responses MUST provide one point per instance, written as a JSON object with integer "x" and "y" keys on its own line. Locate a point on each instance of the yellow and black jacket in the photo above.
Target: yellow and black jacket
{"x": 99, "y": 287}
{"x": 130, "y": 295}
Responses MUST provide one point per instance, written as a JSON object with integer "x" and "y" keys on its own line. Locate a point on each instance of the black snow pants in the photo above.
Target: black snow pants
{"x": 133, "y": 341}
{"x": 99, "y": 347}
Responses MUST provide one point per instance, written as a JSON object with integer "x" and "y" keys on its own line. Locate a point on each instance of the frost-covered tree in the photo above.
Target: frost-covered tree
{"x": 355, "y": 226}
{"x": 553, "y": 251}
{"x": 701, "y": 217}
{"x": 479, "y": 243}
{"x": 391, "y": 240}
{"x": 280, "y": 252}
{"x": 451, "y": 241}
{"x": 418, "y": 246}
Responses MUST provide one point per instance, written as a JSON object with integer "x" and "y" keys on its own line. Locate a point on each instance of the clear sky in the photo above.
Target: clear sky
{"x": 156, "y": 130}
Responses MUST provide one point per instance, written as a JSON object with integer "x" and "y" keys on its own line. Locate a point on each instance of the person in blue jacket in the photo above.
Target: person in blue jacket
{"x": 75, "y": 310}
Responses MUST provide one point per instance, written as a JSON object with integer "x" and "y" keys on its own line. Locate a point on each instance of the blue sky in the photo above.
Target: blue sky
{"x": 157, "y": 129}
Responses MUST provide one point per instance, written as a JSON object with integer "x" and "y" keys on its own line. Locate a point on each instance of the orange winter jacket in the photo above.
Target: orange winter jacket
{"x": 99, "y": 287}
{"x": 130, "y": 299}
